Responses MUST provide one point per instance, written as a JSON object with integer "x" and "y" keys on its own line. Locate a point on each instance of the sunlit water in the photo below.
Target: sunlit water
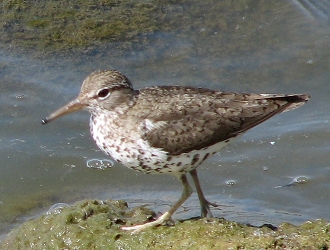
{"x": 278, "y": 171}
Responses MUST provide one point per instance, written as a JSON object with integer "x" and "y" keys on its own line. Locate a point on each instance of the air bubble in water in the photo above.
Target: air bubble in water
{"x": 99, "y": 163}
{"x": 57, "y": 208}
{"x": 231, "y": 182}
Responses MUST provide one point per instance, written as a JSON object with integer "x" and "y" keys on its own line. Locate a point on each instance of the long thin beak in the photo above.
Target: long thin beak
{"x": 72, "y": 106}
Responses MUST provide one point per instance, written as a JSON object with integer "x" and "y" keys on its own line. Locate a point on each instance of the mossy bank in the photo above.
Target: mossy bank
{"x": 93, "y": 224}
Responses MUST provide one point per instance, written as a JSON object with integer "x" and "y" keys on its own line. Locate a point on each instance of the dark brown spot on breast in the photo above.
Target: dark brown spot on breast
{"x": 205, "y": 157}
{"x": 195, "y": 159}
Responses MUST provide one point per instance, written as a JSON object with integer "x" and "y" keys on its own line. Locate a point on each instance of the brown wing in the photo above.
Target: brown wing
{"x": 185, "y": 119}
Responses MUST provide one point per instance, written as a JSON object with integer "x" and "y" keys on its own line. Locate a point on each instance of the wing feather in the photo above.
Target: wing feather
{"x": 188, "y": 119}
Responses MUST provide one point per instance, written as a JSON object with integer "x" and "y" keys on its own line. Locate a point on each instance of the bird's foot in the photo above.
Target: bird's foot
{"x": 205, "y": 208}
{"x": 138, "y": 228}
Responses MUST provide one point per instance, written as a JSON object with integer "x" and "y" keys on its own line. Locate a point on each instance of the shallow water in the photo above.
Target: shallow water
{"x": 278, "y": 171}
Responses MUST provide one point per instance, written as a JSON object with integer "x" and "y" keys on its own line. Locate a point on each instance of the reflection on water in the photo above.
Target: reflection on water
{"x": 319, "y": 9}
{"x": 277, "y": 172}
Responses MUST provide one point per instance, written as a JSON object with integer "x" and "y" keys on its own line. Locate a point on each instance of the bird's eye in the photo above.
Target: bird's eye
{"x": 103, "y": 93}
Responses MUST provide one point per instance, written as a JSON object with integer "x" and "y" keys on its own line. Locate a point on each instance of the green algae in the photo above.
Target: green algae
{"x": 56, "y": 25}
{"x": 93, "y": 224}
{"x": 59, "y": 25}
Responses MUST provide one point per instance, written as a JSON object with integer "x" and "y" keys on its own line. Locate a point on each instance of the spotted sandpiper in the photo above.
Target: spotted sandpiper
{"x": 169, "y": 129}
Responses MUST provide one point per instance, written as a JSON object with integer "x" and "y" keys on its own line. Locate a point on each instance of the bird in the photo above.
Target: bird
{"x": 169, "y": 129}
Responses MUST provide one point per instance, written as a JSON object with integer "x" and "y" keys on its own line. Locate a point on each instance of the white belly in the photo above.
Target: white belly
{"x": 135, "y": 153}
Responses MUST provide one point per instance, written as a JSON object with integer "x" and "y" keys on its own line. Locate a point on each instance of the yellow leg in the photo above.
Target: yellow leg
{"x": 187, "y": 191}
{"x": 205, "y": 204}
